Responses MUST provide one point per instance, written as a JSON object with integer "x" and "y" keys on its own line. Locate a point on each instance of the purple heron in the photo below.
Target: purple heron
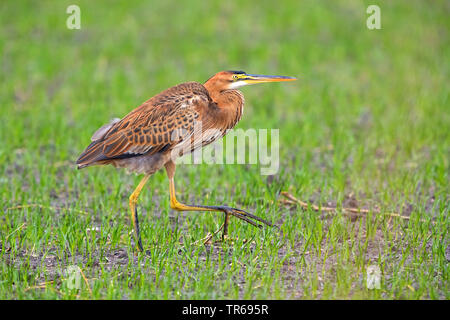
{"x": 174, "y": 122}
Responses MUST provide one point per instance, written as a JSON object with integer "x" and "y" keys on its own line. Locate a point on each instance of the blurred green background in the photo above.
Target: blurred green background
{"x": 367, "y": 122}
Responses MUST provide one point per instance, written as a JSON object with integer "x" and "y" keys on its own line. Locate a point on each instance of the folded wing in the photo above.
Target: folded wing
{"x": 160, "y": 124}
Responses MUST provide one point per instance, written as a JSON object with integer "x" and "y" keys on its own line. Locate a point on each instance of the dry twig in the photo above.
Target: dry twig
{"x": 294, "y": 201}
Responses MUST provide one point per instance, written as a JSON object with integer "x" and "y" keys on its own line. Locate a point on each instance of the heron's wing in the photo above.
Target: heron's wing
{"x": 167, "y": 120}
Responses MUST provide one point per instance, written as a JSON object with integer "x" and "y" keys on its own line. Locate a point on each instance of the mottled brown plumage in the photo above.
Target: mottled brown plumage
{"x": 163, "y": 123}
{"x": 172, "y": 123}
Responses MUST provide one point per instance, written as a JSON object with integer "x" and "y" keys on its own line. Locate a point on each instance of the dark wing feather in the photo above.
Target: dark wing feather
{"x": 157, "y": 125}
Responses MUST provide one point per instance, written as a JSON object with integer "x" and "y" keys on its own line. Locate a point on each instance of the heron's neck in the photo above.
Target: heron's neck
{"x": 230, "y": 104}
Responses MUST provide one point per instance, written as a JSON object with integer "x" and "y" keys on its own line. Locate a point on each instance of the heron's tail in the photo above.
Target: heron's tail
{"x": 92, "y": 154}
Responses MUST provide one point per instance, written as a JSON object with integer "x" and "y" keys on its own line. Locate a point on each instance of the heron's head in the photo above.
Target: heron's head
{"x": 226, "y": 80}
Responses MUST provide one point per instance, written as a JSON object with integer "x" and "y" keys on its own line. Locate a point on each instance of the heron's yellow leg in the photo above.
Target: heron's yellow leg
{"x": 174, "y": 204}
{"x": 133, "y": 200}
{"x": 241, "y": 214}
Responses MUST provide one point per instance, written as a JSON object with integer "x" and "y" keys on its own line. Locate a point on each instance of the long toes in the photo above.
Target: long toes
{"x": 251, "y": 216}
{"x": 246, "y": 216}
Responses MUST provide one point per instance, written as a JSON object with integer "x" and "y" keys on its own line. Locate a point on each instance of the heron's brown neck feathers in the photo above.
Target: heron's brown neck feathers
{"x": 230, "y": 103}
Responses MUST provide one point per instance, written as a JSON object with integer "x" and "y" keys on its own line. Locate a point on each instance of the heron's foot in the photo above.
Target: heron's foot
{"x": 230, "y": 211}
{"x": 243, "y": 215}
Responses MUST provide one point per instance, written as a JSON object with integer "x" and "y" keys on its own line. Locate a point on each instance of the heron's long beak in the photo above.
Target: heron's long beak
{"x": 258, "y": 78}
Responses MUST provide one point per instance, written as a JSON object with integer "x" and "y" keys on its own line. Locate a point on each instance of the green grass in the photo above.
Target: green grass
{"x": 366, "y": 125}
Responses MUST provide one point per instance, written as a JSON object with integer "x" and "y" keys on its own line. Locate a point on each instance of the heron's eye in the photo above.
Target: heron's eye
{"x": 235, "y": 77}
